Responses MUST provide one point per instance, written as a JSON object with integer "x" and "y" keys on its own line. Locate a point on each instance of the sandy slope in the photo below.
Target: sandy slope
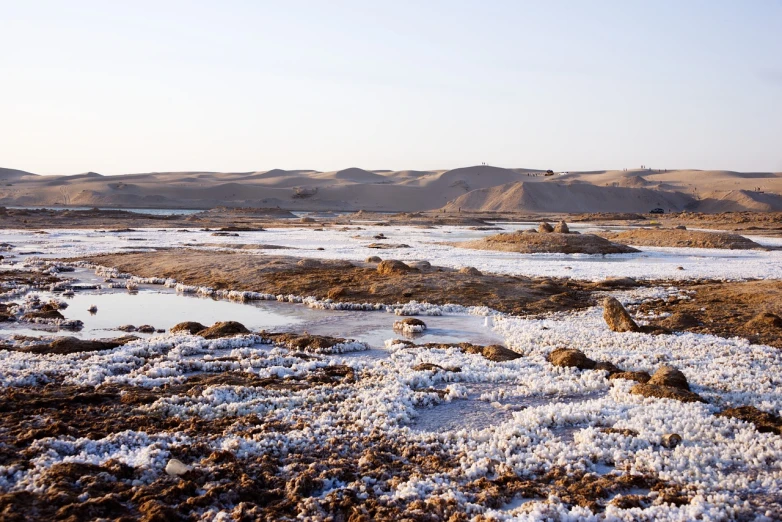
{"x": 471, "y": 188}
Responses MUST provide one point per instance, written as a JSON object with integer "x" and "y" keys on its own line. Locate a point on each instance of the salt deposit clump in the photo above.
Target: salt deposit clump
{"x": 176, "y": 467}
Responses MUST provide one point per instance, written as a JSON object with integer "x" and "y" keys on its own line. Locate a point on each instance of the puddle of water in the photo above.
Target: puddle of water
{"x": 163, "y": 310}
{"x": 374, "y": 328}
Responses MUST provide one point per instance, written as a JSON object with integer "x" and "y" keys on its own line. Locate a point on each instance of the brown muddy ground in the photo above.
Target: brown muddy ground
{"x": 727, "y": 309}
{"x": 670, "y": 237}
{"x": 278, "y": 485}
{"x": 346, "y": 282}
{"x": 220, "y": 219}
{"x": 550, "y": 243}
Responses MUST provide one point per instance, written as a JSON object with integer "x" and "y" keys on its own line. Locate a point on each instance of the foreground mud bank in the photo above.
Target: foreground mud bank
{"x": 371, "y": 282}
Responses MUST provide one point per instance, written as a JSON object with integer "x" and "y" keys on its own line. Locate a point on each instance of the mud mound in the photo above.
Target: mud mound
{"x": 224, "y": 329}
{"x": 492, "y": 352}
{"x": 570, "y": 358}
{"x": 641, "y": 377}
{"x": 665, "y": 392}
{"x": 667, "y": 383}
{"x": 392, "y": 267}
{"x": 682, "y": 238}
{"x": 680, "y": 321}
{"x": 765, "y": 320}
{"x": 670, "y": 376}
{"x": 68, "y": 345}
{"x": 764, "y": 422}
{"x": 548, "y": 243}
{"x": 496, "y": 353}
{"x": 190, "y": 327}
{"x": 304, "y": 342}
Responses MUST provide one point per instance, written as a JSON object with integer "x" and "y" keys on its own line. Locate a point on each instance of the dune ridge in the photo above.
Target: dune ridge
{"x": 476, "y": 188}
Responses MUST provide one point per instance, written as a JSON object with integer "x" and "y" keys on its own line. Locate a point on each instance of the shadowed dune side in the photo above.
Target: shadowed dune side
{"x": 575, "y": 197}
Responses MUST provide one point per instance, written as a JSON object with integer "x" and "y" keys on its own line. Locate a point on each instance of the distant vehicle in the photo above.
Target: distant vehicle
{"x": 549, "y": 173}
{"x": 657, "y": 210}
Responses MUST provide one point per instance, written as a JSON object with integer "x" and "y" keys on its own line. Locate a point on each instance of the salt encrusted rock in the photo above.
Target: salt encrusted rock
{"x": 92, "y": 309}
{"x": 570, "y": 358}
{"x": 641, "y": 377}
{"x": 146, "y": 328}
{"x": 616, "y": 316}
{"x": 176, "y": 467}
{"x": 670, "y": 376}
{"x": 410, "y": 325}
{"x": 470, "y": 270}
{"x": 422, "y": 265}
{"x": 561, "y": 228}
{"x": 671, "y": 440}
{"x": 392, "y": 267}
{"x": 127, "y": 328}
{"x": 306, "y": 219}
{"x": 545, "y": 228}
{"x": 190, "y": 327}
{"x": 309, "y": 263}
{"x": 224, "y": 329}
{"x": 373, "y": 259}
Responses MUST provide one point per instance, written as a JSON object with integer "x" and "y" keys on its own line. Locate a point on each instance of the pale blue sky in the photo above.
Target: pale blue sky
{"x": 118, "y": 87}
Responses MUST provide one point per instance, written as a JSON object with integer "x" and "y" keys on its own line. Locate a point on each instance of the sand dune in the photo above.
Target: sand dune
{"x": 572, "y": 197}
{"x": 480, "y": 187}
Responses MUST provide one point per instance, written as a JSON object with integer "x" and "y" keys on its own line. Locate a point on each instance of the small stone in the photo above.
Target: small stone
{"x": 470, "y": 270}
{"x": 373, "y": 259}
{"x": 671, "y": 440}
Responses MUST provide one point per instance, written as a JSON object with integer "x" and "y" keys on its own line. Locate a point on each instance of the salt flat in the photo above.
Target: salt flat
{"x": 376, "y": 423}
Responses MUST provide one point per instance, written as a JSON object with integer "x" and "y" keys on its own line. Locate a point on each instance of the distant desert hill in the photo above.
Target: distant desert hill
{"x": 479, "y": 187}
